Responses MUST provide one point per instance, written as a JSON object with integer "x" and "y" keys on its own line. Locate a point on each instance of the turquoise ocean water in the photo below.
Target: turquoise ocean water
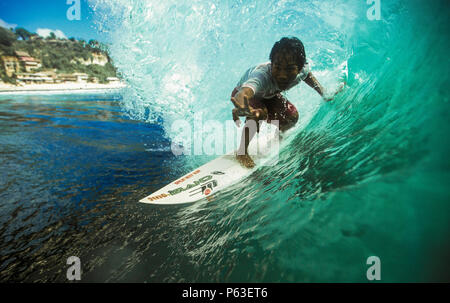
{"x": 365, "y": 175}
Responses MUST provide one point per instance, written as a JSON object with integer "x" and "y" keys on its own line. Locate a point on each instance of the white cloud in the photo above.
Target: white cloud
{"x": 45, "y": 32}
{"x": 7, "y": 25}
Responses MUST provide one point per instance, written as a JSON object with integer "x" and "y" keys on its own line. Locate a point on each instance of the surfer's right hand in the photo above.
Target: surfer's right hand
{"x": 242, "y": 107}
{"x": 247, "y": 111}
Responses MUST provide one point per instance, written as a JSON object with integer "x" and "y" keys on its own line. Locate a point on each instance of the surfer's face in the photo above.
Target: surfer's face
{"x": 284, "y": 69}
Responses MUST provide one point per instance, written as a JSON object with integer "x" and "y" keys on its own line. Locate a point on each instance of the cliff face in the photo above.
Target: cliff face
{"x": 97, "y": 58}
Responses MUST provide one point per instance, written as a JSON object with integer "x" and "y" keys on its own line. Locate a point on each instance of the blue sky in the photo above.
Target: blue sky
{"x": 49, "y": 14}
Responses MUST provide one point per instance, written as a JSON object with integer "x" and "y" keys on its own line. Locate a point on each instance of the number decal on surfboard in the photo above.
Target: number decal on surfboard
{"x": 205, "y": 189}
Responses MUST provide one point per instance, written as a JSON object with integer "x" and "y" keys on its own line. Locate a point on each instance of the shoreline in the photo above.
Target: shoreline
{"x": 64, "y": 87}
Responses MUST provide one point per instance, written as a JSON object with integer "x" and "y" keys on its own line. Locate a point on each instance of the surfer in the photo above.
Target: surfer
{"x": 258, "y": 97}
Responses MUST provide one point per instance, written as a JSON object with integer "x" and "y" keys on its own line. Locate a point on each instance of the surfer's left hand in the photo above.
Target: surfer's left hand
{"x": 330, "y": 96}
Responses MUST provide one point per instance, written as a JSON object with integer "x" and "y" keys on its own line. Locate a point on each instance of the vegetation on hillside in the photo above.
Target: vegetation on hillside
{"x": 64, "y": 55}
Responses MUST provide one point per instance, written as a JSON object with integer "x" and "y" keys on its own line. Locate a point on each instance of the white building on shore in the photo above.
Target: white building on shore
{"x": 81, "y": 77}
{"x": 36, "y": 78}
{"x": 113, "y": 80}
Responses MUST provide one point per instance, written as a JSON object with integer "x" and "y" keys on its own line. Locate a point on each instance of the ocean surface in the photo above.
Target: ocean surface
{"x": 367, "y": 174}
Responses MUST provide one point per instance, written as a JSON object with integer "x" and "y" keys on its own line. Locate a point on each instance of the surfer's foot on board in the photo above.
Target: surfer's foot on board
{"x": 245, "y": 160}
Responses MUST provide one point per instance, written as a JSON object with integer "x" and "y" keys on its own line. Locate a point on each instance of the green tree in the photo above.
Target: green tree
{"x": 23, "y": 33}
{"x": 7, "y": 37}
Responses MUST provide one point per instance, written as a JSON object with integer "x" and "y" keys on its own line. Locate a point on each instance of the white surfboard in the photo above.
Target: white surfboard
{"x": 201, "y": 183}
{"x": 208, "y": 179}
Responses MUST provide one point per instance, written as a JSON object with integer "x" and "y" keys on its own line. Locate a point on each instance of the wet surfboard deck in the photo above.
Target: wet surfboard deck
{"x": 201, "y": 183}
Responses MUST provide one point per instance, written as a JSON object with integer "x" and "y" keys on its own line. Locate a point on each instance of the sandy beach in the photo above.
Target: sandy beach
{"x": 63, "y": 87}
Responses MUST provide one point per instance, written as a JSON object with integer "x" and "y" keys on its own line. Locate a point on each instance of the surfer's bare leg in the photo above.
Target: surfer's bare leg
{"x": 248, "y": 133}
{"x": 254, "y": 110}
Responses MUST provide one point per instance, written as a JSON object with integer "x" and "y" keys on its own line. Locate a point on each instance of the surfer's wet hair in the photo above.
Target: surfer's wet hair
{"x": 292, "y": 45}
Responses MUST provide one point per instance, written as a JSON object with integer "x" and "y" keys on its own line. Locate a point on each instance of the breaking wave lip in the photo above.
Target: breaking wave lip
{"x": 172, "y": 78}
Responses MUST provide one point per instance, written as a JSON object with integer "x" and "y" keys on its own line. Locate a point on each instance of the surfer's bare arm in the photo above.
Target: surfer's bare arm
{"x": 312, "y": 81}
